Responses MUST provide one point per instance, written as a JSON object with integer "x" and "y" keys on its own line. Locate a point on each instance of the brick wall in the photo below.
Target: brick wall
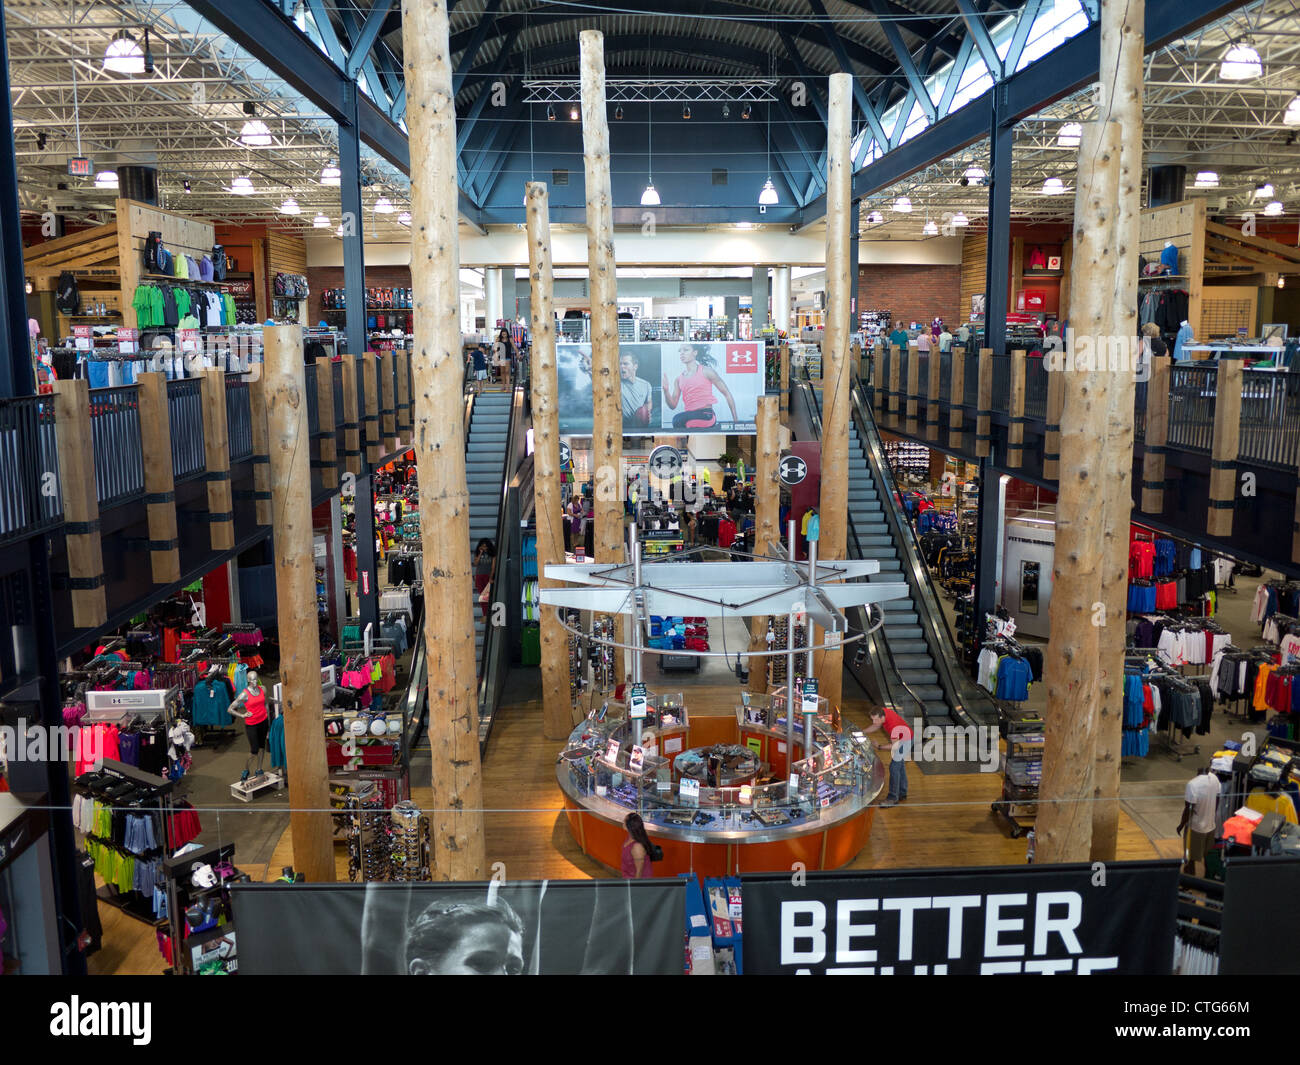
{"x": 911, "y": 293}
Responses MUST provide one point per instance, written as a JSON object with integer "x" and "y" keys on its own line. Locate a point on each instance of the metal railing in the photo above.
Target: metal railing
{"x": 115, "y": 435}
{"x": 1035, "y": 389}
{"x": 29, "y": 472}
{"x": 313, "y": 400}
{"x": 1191, "y": 408}
{"x": 239, "y": 420}
{"x": 1001, "y": 382}
{"x": 971, "y": 380}
{"x": 185, "y": 415}
{"x": 945, "y": 377}
{"x": 1270, "y": 419}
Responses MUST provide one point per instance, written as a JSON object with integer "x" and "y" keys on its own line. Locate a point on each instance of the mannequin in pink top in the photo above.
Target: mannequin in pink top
{"x": 250, "y": 704}
{"x": 693, "y": 389}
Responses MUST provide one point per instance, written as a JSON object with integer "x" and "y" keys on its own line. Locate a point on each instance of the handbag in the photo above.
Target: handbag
{"x": 655, "y": 853}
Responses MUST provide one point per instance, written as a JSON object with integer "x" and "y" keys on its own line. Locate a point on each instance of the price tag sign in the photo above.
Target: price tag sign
{"x": 794, "y": 783}
{"x": 810, "y": 696}
{"x": 189, "y": 339}
{"x": 636, "y": 703}
{"x": 689, "y": 791}
{"x": 746, "y": 794}
{"x": 81, "y": 337}
{"x": 128, "y": 341}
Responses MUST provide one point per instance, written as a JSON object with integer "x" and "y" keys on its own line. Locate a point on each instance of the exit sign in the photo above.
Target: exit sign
{"x": 79, "y": 166}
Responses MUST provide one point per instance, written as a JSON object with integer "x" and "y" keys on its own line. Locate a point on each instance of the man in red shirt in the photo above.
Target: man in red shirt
{"x": 900, "y": 736}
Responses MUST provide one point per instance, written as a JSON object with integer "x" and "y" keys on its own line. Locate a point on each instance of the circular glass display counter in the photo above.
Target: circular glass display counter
{"x": 773, "y": 800}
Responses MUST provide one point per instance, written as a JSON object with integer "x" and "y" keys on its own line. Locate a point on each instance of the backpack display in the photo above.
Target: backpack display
{"x": 67, "y": 297}
{"x": 151, "y": 245}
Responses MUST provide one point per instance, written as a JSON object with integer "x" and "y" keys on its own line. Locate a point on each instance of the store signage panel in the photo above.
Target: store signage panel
{"x": 695, "y": 387}
{"x": 556, "y": 927}
{"x": 1117, "y": 918}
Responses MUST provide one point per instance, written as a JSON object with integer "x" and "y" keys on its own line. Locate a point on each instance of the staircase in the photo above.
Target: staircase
{"x": 485, "y": 461}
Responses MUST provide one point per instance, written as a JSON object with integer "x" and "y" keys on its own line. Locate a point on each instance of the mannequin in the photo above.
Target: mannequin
{"x": 1185, "y": 336}
{"x": 250, "y": 704}
{"x": 1169, "y": 257}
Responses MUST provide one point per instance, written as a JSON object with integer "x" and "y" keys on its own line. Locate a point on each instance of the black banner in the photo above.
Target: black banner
{"x": 1260, "y": 932}
{"x": 1111, "y": 918}
{"x": 544, "y": 927}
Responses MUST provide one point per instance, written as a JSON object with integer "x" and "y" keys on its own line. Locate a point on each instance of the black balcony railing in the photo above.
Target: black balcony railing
{"x": 29, "y": 473}
{"x": 115, "y": 433}
{"x": 185, "y": 415}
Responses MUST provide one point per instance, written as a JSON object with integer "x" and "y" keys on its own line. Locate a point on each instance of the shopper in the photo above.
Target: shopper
{"x": 898, "y": 338}
{"x": 945, "y": 340}
{"x": 637, "y": 849}
{"x": 924, "y": 341}
{"x": 963, "y": 334}
{"x": 480, "y": 368}
{"x": 1200, "y": 819}
{"x": 900, "y": 736}
{"x": 484, "y": 557}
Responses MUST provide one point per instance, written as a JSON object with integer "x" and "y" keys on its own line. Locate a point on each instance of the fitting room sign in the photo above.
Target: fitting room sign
{"x": 1112, "y": 918}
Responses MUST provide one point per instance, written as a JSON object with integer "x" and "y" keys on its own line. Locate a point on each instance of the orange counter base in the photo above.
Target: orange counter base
{"x": 828, "y": 848}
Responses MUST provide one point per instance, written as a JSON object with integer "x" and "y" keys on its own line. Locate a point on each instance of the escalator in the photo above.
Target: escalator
{"x": 494, "y": 446}
{"x": 910, "y": 661}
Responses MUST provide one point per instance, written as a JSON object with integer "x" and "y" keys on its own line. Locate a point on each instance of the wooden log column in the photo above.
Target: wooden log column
{"x": 896, "y": 358}
{"x": 159, "y": 483}
{"x": 1016, "y": 416}
{"x": 351, "y": 417}
{"x": 1055, "y": 363}
{"x": 957, "y": 397}
{"x": 556, "y": 708}
{"x": 80, "y": 503}
{"x": 837, "y": 395}
{"x": 328, "y": 460}
{"x": 932, "y": 395}
{"x": 216, "y": 449}
{"x": 1156, "y": 438}
{"x": 1223, "y": 457}
{"x": 456, "y": 817}
{"x": 913, "y": 385}
{"x": 311, "y": 826}
{"x": 767, "y": 511}
{"x": 1071, "y": 668}
{"x": 1120, "y": 103}
{"x": 984, "y": 411}
{"x": 606, "y": 392}
{"x": 261, "y": 452}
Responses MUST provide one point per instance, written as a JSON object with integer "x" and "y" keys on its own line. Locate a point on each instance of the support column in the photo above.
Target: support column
{"x": 351, "y": 417}
{"x": 1156, "y": 438}
{"x": 997, "y": 265}
{"x": 1223, "y": 459}
{"x": 767, "y": 518}
{"x": 328, "y": 461}
{"x": 988, "y": 521}
{"x": 759, "y": 300}
{"x": 311, "y": 825}
{"x": 159, "y": 486}
{"x": 387, "y": 402}
{"x": 353, "y": 222}
{"x": 835, "y": 362}
{"x": 456, "y": 818}
{"x": 1055, "y": 362}
{"x": 984, "y": 412}
{"x": 607, "y": 428}
{"x": 781, "y": 298}
{"x": 216, "y": 448}
{"x": 785, "y": 378}
{"x": 370, "y": 385}
{"x": 913, "y": 388}
{"x": 491, "y": 298}
{"x": 556, "y": 705}
{"x": 80, "y": 503}
{"x": 1073, "y": 664}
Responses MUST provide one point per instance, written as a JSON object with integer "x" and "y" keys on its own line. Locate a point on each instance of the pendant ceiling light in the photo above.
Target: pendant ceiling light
{"x": 1053, "y": 186}
{"x": 242, "y": 186}
{"x": 650, "y": 197}
{"x": 1263, "y": 192}
{"x": 124, "y": 54}
{"x": 874, "y": 218}
{"x": 255, "y": 134}
{"x": 960, "y": 219}
{"x": 1291, "y": 117}
{"x": 331, "y": 175}
{"x": 1274, "y": 209}
{"x": 1070, "y": 135}
{"x": 974, "y": 175}
{"x": 767, "y": 196}
{"x": 1240, "y": 63}
{"x": 384, "y": 205}
{"x": 903, "y": 205}
{"x": 929, "y": 229}
{"x": 290, "y": 206}
{"x": 405, "y": 218}
{"x": 1206, "y": 179}
{"x": 321, "y": 222}
{"x": 106, "y": 179}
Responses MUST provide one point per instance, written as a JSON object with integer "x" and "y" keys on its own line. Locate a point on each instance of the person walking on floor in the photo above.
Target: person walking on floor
{"x": 1200, "y": 819}
{"x": 637, "y": 850}
{"x": 900, "y": 735}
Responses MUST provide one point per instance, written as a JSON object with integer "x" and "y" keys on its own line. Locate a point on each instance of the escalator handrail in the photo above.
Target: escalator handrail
{"x": 957, "y": 689}
{"x": 877, "y": 646}
{"x": 491, "y": 672}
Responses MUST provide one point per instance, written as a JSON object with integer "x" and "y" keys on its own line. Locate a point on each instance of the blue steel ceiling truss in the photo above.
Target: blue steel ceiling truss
{"x": 919, "y": 70}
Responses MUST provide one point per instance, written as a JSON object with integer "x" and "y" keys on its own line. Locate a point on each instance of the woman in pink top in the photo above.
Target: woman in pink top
{"x": 694, "y": 390}
{"x": 636, "y": 849}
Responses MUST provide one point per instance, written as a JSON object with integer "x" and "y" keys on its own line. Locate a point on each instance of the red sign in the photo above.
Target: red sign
{"x": 128, "y": 341}
{"x": 742, "y": 358}
{"x": 79, "y": 166}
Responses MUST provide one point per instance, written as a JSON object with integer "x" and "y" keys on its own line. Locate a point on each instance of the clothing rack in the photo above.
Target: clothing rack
{"x": 1150, "y": 662}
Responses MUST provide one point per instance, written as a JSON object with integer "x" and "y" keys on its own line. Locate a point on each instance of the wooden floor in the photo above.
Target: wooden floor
{"x": 946, "y": 821}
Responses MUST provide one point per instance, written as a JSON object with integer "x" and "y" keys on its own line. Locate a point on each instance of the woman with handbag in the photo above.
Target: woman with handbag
{"x": 638, "y": 851}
